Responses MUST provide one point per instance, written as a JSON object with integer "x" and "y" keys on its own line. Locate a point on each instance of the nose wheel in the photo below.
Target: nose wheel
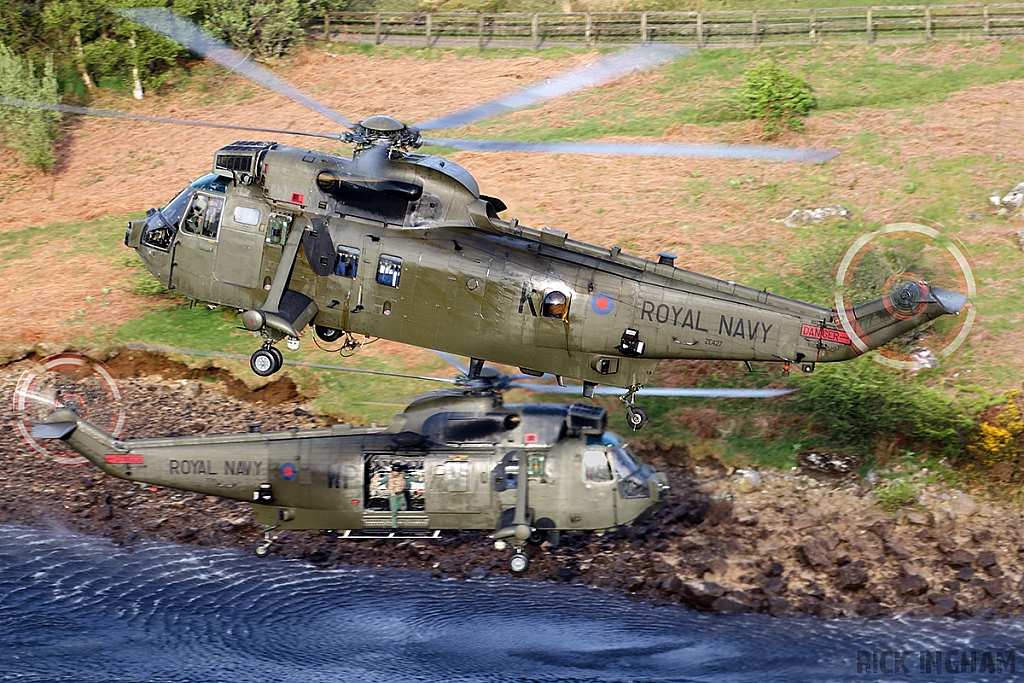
{"x": 266, "y": 361}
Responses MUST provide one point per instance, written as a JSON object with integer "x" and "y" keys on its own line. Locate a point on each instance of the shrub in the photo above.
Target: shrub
{"x": 859, "y": 404}
{"x": 775, "y": 96}
{"x": 264, "y": 28}
{"x": 898, "y": 494}
{"x": 30, "y": 132}
{"x": 999, "y": 440}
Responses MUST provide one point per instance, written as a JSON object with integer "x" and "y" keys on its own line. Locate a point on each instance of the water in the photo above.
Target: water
{"x": 77, "y": 608}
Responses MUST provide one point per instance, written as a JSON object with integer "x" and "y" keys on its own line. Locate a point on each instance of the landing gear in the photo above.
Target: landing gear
{"x": 635, "y": 417}
{"x": 266, "y": 361}
{"x": 519, "y": 562}
{"x": 262, "y": 549}
{"x": 537, "y": 536}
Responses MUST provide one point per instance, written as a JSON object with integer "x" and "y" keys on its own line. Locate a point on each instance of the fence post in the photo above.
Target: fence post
{"x": 535, "y": 31}
{"x": 988, "y": 21}
{"x": 813, "y": 28}
{"x": 928, "y": 22}
{"x": 327, "y": 27}
{"x": 871, "y": 37}
{"x": 643, "y": 27}
{"x": 430, "y": 26}
{"x": 700, "y": 29}
{"x": 753, "y": 28}
{"x": 480, "y": 18}
{"x": 376, "y": 29}
{"x": 587, "y": 30}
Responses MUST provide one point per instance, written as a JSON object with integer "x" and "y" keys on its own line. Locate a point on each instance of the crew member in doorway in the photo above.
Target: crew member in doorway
{"x": 396, "y": 493}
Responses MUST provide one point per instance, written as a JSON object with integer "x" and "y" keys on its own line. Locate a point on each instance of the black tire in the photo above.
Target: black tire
{"x": 519, "y": 563}
{"x": 636, "y": 417}
{"x": 537, "y": 536}
{"x": 261, "y": 550}
{"x": 264, "y": 363}
{"x": 277, "y": 355}
{"x": 327, "y": 334}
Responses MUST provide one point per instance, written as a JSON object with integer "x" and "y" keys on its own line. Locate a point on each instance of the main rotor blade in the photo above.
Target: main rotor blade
{"x": 452, "y": 361}
{"x": 603, "y": 71}
{"x": 160, "y": 348}
{"x": 660, "y": 391}
{"x": 69, "y": 109}
{"x": 184, "y": 32}
{"x": 754, "y": 152}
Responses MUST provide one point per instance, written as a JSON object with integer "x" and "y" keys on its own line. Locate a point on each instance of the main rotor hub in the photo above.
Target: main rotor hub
{"x": 385, "y": 130}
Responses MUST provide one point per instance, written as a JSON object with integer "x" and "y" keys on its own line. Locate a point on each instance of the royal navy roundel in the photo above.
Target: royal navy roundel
{"x": 288, "y": 471}
{"x": 602, "y": 303}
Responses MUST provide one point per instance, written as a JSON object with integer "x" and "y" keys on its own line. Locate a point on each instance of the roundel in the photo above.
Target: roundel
{"x": 288, "y": 471}
{"x": 602, "y": 303}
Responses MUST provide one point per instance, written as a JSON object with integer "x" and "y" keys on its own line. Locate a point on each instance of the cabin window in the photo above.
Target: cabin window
{"x": 389, "y": 270}
{"x": 596, "y": 467}
{"x": 277, "y": 228}
{"x": 456, "y": 476}
{"x": 203, "y": 216}
{"x": 556, "y": 305}
{"x": 246, "y": 215}
{"x": 348, "y": 262}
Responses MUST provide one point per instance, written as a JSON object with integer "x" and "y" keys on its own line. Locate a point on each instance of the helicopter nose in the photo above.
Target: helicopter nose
{"x": 951, "y": 302}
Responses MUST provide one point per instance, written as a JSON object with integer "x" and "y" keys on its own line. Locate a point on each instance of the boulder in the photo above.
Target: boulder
{"x": 780, "y": 607}
{"x": 962, "y": 505}
{"x": 815, "y": 554}
{"x": 960, "y": 558}
{"x": 985, "y": 558}
{"x": 728, "y": 605}
{"x": 944, "y": 607}
{"x": 701, "y": 593}
{"x": 913, "y": 585}
{"x": 851, "y": 577}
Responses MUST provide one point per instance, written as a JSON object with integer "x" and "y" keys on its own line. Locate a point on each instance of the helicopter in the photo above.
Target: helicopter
{"x": 396, "y": 244}
{"x": 464, "y": 460}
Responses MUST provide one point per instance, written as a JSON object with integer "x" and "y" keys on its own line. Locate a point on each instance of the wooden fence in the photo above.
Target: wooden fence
{"x": 697, "y": 29}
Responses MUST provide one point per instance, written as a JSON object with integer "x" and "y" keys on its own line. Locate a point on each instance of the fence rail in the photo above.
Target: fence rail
{"x": 697, "y": 29}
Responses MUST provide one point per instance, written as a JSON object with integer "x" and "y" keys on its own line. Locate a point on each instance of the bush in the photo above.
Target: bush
{"x": 860, "y": 404}
{"x": 775, "y": 96}
{"x": 264, "y": 28}
{"x": 30, "y": 132}
{"x": 898, "y": 494}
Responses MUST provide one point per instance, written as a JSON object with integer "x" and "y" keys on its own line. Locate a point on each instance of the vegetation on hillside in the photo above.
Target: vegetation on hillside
{"x": 30, "y": 132}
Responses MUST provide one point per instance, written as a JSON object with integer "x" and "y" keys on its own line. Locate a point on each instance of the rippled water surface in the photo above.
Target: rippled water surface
{"x": 76, "y": 608}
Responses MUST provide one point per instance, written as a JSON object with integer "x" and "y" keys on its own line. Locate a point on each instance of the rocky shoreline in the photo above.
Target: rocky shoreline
{"x": 782, "y": 543}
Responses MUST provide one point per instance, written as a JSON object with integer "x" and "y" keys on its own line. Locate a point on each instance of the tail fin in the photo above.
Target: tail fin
{"x": 880, "y": 321}
{"x": 82, "y": 436}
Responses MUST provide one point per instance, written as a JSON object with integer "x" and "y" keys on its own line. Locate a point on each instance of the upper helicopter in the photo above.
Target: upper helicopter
{"x": 400, "y": 245}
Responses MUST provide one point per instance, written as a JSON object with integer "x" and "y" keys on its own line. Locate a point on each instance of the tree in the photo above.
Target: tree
{"x": 264, "y": 28}
{"x": 30, "y": 132}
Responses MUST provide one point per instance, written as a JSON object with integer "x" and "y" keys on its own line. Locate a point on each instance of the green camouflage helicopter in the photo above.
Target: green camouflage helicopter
{"x": 403, "y": 246}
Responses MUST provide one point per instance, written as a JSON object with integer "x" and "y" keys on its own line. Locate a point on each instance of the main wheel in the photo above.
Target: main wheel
{"x": 537, "y": 536}
{"x": 327, "y": 334}
{"x": 278, "y": 357}
{"x": 636, "y": 417}
{"x": 264, "y": 362}
{"x": 262, "y": 549}
{"x": 519, "y": 562}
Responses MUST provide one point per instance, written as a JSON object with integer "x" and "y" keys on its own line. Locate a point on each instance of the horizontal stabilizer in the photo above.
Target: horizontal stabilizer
{"x": 53, "y": 430}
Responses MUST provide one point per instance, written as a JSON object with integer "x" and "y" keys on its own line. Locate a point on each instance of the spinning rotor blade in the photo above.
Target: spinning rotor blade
{"x": 168, "y": 24}
{"x": 69, "y": 109}
{"x": 660, "y": 391}
{"x": 452, "y": 361}
{"x": 603, "y": 71}
{"x": 754, "y": 152}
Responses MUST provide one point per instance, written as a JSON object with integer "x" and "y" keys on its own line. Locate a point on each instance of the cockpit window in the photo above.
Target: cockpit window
{"x": 595, "y": 466}
{"x": 175, "y": 209}
{"x": 624, "y": 465}
{"x": 211, "y": 182}
{"x": 203, "y": 216}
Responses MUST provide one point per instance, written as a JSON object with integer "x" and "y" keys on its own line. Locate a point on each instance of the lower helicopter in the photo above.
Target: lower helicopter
{"x": 455, "y": 459}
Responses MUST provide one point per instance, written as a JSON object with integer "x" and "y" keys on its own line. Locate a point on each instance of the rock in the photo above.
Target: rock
{"x": 919, "y": 518}
{"x": 994, "y": 587}
{"x": 944, "y": 607}
{"x": 985, "y": 558}
{"x": 814, "y": 553}
{"x": 960, "y": 558}
{"x": 192, "y": 390}
{"x": 895, "y": 547}
{"x": 748, "y": 480}
{"x": 962, "y": 505}
{"x": 799, "y": 217}
{"x": 671, "y": 584}
{"x": 728, "y": 605}
{"x": 871, "y": 478}
{"x": 913, "y": 585}
{"x": 775, "y": 586}
{"x": 780, "y": 607}
{"x": 851, "y": 577}
{"x": 871, "y": 608}
{"x": 701, "y": 593}
{"x": 774, "y": 569}
{"x": 965, "y": 573}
